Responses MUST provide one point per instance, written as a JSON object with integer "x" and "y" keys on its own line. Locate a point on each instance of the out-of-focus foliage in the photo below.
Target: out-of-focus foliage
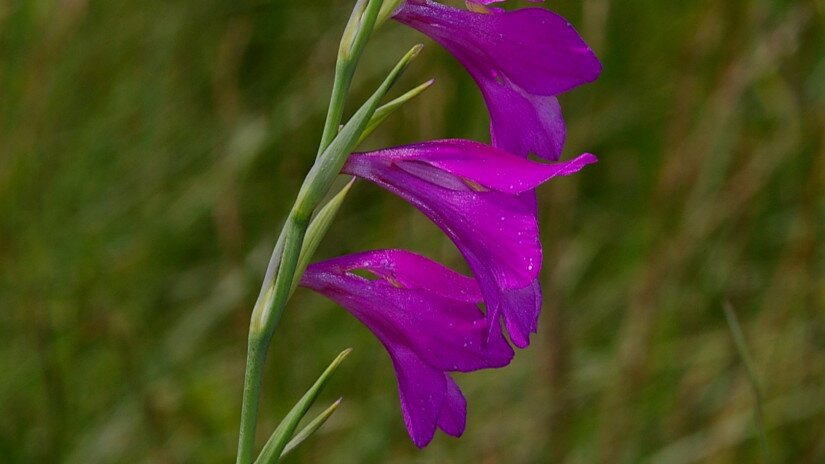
{"x": 149, "y": 149}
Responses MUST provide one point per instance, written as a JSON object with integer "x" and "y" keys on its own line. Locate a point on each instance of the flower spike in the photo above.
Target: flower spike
{"x": 483, "y": 199}
{"x": 428, "y": 319}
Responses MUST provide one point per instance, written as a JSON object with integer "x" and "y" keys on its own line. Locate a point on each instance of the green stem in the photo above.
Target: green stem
{"x": 343, "y": 80}
{"x": 265, "y": 318}
{"x": 255, "y": 360}
{"x": 352, "y": 46}
{"x": 274, "y": 295}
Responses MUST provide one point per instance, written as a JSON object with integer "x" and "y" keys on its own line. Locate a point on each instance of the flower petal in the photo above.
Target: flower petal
{"x": 533, "y": 48}
{"x": 496, "y": 232}
{"x": 412, "y": 271}
{"x": 521, "y": 123}
{"x": 450, "y": 163}
{"x": 453, "y": 416}
{"x": 449, "y": 334}
{"x": 422, "y": 391}
{"x": 410, "y": 308}
{"x": 519, "y": 59}
{"x": 498, "y": 229}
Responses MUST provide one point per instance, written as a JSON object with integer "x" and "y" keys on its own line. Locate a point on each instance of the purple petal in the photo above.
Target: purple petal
{"x": 521, "y": 308}
{"x": 453, "y": 416}
{"x": 427, "y": 318}
{"x": 450, "y": 163}
{"x": 522, "y": 124}
{"x": 422, "y": 391}
{"x": 412, "y": 271}
{"x": 448, "y": 333}
{"x": 520, "y": 60}
{"x": 461, "y": 186}
{"x": 533, "y": 48}
{"x": 487, "y": 2}
{"x": 496, "y": 230}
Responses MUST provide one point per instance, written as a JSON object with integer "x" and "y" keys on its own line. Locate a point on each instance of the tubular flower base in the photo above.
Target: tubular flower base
{"x": 520, "y": 60}
{"x": 427, "y": 317}
{"x": 482, "y": 198}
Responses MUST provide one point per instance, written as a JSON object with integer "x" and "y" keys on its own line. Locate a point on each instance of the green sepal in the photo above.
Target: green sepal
{"x": 358, "y": 30}
{"x": 274, "y": 293}
{"x": 316, "y": 231}
{"x": 389, "y": 108}
{"x": 387, "y": 9}
{"x": 328, "y": 165}
{"x": 311, "y": 428}
{"x": 283, "y": 433}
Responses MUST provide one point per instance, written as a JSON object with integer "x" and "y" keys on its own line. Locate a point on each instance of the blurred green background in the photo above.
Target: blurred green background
{"x": 150, "y": 149}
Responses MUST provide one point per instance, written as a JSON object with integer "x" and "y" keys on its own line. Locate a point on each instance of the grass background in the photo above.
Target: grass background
{"x": 150, "y": 149}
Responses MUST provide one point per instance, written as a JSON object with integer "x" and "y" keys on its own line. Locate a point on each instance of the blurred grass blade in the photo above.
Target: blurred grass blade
{"x": 283, "y": 433}
{"x": 311, "y": 428}
{"x": 316, "y": 231}
{"x": 387, "y": 109}
{"x": 742, "y": 348}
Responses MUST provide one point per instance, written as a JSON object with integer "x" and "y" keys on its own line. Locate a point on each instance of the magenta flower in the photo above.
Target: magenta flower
{"x": 428, "y": 319}
{"x": 520, "y": 60}
{"x": 487, "y": 2}
{"x": 477, "y": 195}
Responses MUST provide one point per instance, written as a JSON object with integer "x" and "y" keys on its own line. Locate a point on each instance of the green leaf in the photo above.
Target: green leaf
{"x": 387, "y": 109}
{"x": 277, "y": 442}
{"x": 387, "y": 9}
{"x": 316, "y": 231}
{"x": 328, "y": 165}
{"x": 358, "y": 29}
{"x": 316, "y": 185}
{"x": 311, "y": 428}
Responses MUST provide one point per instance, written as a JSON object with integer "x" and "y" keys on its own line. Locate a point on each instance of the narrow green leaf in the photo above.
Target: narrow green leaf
{"x": 387, "y": 9}
{"x": 742, "y": 349}
{"x": 318, "y": 227}
{"x": 316, "y": 185}
{"x": 328, "y": 165}
{"x": 311, "y": 428}
{"x": 283, "y": 433}
{"x": 358, "y": 30}
{"x": 354, "y": 26}
{"x": 387, "y": 109}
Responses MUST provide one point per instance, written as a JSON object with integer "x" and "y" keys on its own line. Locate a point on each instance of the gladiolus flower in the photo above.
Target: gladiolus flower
{"x": 477, "y": 195}
{"x": 520, "y": 60}
{"x": 487, "y": 2}
{"x": 428, "y": 319}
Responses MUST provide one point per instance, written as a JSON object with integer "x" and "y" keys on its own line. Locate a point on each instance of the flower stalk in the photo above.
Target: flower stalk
{"x": 426, "y": 315}
{"x": 280, "y": 275}
{"x": 357, "y": 32}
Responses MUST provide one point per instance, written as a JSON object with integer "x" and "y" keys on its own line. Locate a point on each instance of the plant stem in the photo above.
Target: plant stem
{"x": 280, "y": 274}
{"x": 742, "y": 349}
{"x": 343, "y": 79}
{"x": 255, "y": 359}
{"x": 265, "y": 318}
{"x": 352, "y": 46}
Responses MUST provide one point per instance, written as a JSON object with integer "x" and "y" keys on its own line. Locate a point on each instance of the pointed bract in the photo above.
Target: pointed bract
{"x": 427, "y": 317}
